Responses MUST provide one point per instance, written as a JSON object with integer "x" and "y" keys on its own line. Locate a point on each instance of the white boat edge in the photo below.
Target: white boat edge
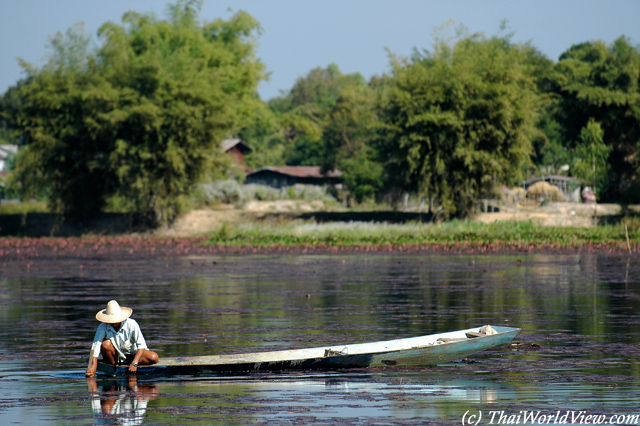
{"x": 432, "y": 340}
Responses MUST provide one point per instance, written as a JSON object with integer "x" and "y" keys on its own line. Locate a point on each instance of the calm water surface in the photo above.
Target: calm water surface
{"x": 578, "y": 353}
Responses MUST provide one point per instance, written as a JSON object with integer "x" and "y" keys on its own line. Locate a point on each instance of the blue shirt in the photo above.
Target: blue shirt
{"x": 127, "y": 340}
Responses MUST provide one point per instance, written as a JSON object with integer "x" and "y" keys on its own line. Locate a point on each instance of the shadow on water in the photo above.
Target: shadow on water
{"x": 579, "y": 349}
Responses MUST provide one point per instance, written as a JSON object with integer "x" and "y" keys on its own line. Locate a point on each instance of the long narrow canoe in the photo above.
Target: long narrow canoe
{"x": 410, "y": 352}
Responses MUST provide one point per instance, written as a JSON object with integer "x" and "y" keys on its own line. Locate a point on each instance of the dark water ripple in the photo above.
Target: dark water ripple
{"x": 579, "y": 349}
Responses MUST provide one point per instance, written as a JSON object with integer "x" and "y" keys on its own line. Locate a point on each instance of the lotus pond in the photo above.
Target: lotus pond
{"x": 577, "y": 356}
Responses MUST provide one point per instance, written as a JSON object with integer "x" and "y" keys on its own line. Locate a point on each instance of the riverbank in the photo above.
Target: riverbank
{"x": 447, "y": 235}
{"x": 286, "y": 227}
{"x": 558, "y": 215}
{"x": 457, "y": 237}
{"x": 203, "y": 222}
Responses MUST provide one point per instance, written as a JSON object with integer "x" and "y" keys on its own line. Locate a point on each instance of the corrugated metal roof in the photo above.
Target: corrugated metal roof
{"x": 557, "y": 178}
{"x": 227, "y": 144}
{"x": 301, "y": 171}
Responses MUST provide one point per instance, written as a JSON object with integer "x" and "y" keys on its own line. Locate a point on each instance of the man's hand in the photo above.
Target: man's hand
{"x": 136, "y": 360}
{"x": 93, "y": 366}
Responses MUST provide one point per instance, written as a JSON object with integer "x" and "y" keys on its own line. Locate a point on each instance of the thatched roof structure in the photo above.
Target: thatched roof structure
{"x": 546, "y": 190}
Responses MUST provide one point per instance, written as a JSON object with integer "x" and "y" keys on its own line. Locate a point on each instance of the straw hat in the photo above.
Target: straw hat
{"x": 114, "y": 313}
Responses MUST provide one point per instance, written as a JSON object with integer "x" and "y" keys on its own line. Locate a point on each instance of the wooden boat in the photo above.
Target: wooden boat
{"x": 410, "y": 352}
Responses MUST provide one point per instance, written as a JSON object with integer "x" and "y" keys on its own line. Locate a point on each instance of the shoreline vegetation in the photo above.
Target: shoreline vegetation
{"x": 445, "y": 234}
{"x": 143, "y": 122}
{"x": 459, "y": 237}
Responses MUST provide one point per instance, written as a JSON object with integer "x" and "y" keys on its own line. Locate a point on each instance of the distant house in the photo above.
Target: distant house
{"x": 280, "y": 177}
{"x": 237, "y": 148}
{"x": 5, "y": 152}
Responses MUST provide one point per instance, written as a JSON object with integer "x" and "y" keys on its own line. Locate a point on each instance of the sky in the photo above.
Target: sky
{"x": 299, "y": 35}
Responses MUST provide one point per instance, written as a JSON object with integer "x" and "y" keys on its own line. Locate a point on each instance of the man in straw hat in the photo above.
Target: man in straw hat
{"x": 120, "y": 340}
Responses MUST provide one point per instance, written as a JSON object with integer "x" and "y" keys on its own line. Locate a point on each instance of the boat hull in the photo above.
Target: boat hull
{"x": 411, "y": 352}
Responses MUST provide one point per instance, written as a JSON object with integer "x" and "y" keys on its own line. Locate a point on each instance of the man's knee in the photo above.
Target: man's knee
{"x": 108, "y": 349}
{"x": 108, "y": 352}
{"x": 153, "y": 357}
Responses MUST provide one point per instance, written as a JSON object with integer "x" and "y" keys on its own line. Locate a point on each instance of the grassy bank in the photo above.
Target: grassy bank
{"x": 298, "y": 237}
{"x": 449, "y": 233}
{"x": 23, "y": 208}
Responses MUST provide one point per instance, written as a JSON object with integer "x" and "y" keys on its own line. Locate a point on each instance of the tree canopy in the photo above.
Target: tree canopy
{"x": 327, "y": 119}
{"x": 142, "y": 115}
{"x": 137, "y": 117}
{"x": 460, "y": 119}
{"x": 594, "y": 81}
{"x": 592, "y": 156}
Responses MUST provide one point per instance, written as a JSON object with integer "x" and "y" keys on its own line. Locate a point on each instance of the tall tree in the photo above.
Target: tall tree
{"x": 330, "y": 119}
{"x": 550, "y": 152}
{"x": 460, "y": 120}
{"x": 143, "y": 115}
{"x": 58, "y": 114}
{"x": 304, "y": 111}
{"x": 350, "y": 136}
{"x": 597, "y": 81}
{"x": 592, "y": 156}
{"x": 5, "y": 131}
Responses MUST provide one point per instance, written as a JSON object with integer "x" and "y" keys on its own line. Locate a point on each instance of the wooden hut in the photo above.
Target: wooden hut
{"x": 237, "y": 148}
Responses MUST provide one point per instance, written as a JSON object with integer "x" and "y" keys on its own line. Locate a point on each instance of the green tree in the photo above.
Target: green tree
{"x": 592, "y": 156}
{"x": 6, "y": 138}
{"x": 5, "y": 132}
{"x": 601, "y": 82}
{"x": 57, "y": 113}
{"x": 460, "y": 120}
{"x": 304, "y": 111}
{"x": 141, "y": 117}
{"x": 330, "y": 119}
{"x": 261, "y": 129}
{"x": 350, "y": 136}
{"x": 550, "y": 150}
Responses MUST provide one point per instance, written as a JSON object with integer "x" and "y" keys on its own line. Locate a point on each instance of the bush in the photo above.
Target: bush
{"x": 312, "y": 193}
{"x": 261, "y": 192}
{"x": 222, "y": 191}
{"x": 231, "y": 192}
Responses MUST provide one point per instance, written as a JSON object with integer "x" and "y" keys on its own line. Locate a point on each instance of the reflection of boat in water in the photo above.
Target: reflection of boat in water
{"x": 410, "y": 352}
{"x": 120, "y": 402}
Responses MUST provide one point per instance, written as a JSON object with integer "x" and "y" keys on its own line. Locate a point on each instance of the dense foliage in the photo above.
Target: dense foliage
{"x": 597, "y": 82}
{"x": 138, "y": 119}
{"x": 461, "y": 119}
{"x": 142, "y": 116}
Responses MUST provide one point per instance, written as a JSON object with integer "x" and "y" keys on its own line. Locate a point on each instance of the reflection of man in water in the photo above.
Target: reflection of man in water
{"x": 119, "y": 340}
{"x": 120, "y": 403}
